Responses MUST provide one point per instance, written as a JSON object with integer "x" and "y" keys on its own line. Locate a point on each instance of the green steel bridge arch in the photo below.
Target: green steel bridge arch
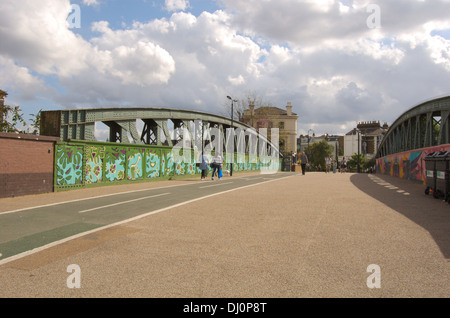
{"x": 79, "y": 124}
{"x": 425, "y": 125}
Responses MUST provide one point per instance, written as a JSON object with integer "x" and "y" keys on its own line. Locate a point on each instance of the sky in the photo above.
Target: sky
{"x": 337, "y": 61}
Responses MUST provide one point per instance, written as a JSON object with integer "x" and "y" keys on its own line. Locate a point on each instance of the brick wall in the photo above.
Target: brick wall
{"x": 26, "y": 164}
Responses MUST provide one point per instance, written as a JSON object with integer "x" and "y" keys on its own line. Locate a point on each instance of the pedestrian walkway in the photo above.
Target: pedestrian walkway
{"x": 317, "y": 235}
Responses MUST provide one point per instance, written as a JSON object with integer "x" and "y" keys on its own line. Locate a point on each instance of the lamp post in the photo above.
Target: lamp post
{"x": 359, "y": 165}
{"x": 232, "y": 124}
{"x": 309, "y": 138}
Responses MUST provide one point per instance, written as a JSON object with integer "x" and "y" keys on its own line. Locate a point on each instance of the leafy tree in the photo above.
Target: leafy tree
{"x": 11, "y": 118}
{"x": 317, "y": 152}
{"x": 36, "y": 122}
{"x": 353, "y": 162}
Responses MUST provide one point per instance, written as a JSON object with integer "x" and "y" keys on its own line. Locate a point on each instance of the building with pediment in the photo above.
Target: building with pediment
{"x": 273, "y": 117}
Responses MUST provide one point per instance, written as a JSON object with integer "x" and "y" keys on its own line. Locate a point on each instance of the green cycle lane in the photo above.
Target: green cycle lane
{"x": 27, "y": 229}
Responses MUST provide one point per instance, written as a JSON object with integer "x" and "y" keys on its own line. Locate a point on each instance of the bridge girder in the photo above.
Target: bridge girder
{"x": 424, "y": 125}
{"x": 80, "y": 124}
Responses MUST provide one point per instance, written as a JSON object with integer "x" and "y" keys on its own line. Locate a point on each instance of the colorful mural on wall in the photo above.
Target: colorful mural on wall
{"x": 69, "y": 160}
{"x": 82, "y": 163}
{"x": 408, "y": 165}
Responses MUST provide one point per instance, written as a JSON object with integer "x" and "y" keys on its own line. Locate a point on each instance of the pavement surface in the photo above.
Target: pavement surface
{"x": 293, "y": 236}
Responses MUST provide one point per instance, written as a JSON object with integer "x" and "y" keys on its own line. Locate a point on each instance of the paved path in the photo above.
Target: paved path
{"x": 292, "y": 237}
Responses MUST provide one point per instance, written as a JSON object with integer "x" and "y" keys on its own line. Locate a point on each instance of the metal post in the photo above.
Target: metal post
{"x": 359, "y": 167}
{"x": 232, "y": 124}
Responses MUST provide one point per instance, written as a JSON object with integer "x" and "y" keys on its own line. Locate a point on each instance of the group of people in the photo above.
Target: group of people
{"x": 333, "y": 164}
{"x": 329, "y": 164}
{"x": 216, "y": 165}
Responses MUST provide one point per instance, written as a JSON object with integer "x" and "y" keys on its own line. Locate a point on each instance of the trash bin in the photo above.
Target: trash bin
{"x": 441, "y": 174}
{"x": 430, "y": 172}
{"x": 447, "y": 178}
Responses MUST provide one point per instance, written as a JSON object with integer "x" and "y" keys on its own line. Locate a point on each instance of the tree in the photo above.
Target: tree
{"x": 352, "y": 164}
{"x": 317, "y": 152}
{"x": 36, "y": 122}
{"x": 243, "y": 103}
{"x": 12, "y": 117}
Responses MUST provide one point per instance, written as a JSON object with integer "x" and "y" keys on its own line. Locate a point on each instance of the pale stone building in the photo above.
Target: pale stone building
{"x": 274, "y": 117}
{"x": 370, "y": 135}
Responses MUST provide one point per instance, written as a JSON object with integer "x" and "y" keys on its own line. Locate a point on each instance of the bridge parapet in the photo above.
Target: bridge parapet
{"x": 425, "y": 125}
{"x": 419, "y": 131}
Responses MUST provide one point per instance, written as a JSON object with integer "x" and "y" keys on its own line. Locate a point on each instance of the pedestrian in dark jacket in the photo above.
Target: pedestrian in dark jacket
{"x": 303, "y": 162}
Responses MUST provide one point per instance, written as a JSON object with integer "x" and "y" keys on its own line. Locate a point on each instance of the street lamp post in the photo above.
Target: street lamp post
{"x": 309, "y": 149}
{"x": 232, "y": 124}
{"x": 359, "y": 165}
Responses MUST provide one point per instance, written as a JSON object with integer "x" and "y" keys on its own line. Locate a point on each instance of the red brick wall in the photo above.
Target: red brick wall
{"x": 26, "y": 164}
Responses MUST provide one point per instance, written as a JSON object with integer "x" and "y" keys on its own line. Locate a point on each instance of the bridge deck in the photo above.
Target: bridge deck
{"x": 295, "y": 236}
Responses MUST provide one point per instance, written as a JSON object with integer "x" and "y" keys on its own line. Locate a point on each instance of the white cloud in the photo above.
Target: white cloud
{"x": 19, "y": 82}
{"x": 43, "y": 42}
{"x": 90, "y": 2}
{"x": 176, "y": 5}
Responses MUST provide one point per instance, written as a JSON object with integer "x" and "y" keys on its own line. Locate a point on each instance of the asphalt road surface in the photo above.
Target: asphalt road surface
{"x": 250, "y": 236}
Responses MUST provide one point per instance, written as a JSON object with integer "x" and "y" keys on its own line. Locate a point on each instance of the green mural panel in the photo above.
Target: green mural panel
{"x": 68, "y": 165}
{"x": 153, "y": 163}
{"x": 135, "y": 164}
{"x": 115, "y": 162}
{"x": 94, "y": 163}
{"x": 167, "y": 165}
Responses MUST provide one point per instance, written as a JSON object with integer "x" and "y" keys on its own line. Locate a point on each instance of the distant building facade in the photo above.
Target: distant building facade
{"x": 274, "y": 117}
{"x": 370, "y": 136}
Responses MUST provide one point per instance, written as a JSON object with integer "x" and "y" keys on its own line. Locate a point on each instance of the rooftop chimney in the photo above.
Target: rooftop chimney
{"x": 289, "y": 109}
{"x": 252, "y": 107}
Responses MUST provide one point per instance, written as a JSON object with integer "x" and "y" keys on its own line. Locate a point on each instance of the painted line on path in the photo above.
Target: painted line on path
{"x": 123, "y": 202}
{"x": 70, "y": 238}
{"x": 215, "y": 185}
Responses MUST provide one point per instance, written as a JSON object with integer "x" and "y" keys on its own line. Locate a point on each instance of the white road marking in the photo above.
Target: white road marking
{"x": 123, "y": 202}
{"x": 215, "y": 185}
{"x": 388, "y": 185}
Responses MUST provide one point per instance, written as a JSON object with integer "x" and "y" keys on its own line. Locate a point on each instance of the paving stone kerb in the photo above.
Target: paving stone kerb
{"x": 300, "y": 236}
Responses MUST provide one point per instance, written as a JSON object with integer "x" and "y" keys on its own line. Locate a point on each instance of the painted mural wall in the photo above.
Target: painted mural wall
{"x": 81, "y": 164}
{"x": 408, "y": 165}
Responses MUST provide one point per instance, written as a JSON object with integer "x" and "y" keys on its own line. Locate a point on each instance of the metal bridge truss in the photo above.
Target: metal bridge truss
{"x": 425, "y": 125}
{"x": 161, "y": 127}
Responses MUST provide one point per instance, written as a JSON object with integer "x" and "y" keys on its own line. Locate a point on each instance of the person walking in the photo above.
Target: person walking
{"x": 204, "y": 162}
{"x": 343, "y": 165}
{"x": 303, "y": 162}
{"x": 327, "y": 164}
{"x": 216, "y": 165}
